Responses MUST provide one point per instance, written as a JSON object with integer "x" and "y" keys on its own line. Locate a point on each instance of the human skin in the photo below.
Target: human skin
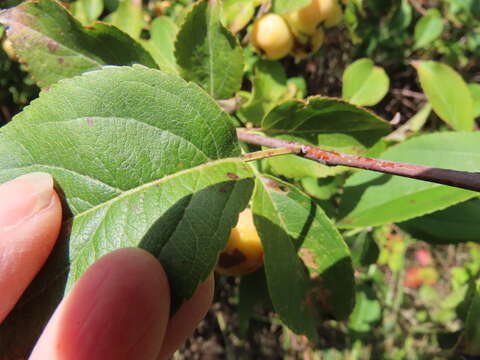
{"x": 118, "y": 309}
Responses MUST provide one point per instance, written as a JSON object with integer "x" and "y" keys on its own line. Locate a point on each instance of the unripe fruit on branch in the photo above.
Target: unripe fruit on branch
{"x": 244, "y": 251}
{"x": 311, "y": 46}
{"x": 271, "y": 35}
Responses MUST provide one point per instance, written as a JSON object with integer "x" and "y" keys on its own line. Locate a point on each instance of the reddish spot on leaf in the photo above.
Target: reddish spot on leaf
{"x": 232, "y": 176}
{"x": 228, "y": 260}
{"x": 90, "y": 121}
{"x": 274, "y": 185}
{"x": 308, "y": 258}
{"x": 60, "y": 60}
{"x": 319, "y": 296}
{"x": 52, "y": 46}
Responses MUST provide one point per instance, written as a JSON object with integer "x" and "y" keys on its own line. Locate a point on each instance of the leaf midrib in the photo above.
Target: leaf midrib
{"x": 153, "y": 183}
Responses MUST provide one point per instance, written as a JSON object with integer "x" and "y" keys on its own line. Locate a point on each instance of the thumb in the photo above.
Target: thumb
{"x": 30, "y": 219}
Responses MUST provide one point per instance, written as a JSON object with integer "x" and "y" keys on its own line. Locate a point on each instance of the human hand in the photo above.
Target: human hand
{"x": 118, "y": 309}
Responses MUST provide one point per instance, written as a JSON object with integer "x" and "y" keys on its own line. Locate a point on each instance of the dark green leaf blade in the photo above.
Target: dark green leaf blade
{"x": 289, "y": 221}
{"x": 372, "y": 199}
{"x": 140, "y": 172}
{"x": 54, "y": 45}
{"x": 469, "y": 342}
{"x": 207, "y": 53}
{"x": 456, "y": 224}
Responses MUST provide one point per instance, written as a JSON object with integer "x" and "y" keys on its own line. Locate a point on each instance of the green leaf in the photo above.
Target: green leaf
{"x": 469, "y": 342}
{"x": 456, "y": 224}
{"x": 161, "y": 45}
{"x": 55, "y": 46}
{"x": 428, "y": 28}
{"x": 367, "y": 310}
{"x": 128, "y": 17}
{"x": 139, "y": 157}
{"x": 475, "y": 92}
{"x": 285, "y": 6}
{"x": 364, "y": 84}
{"x": 252, "y": 291}
{"x": 269, "y": 88}
{"x": 289, "y": 221}
{"x": 372, "y": 199}
{"x": 365, "y": 250}
{"x": 207, "y": 53}
{"x": 413, "y": 125}
{"x": 87, "y": 11}
{"x": 238, "y": 13}
{"x": 330, "y": 123}
{"x": 448, "y": 93}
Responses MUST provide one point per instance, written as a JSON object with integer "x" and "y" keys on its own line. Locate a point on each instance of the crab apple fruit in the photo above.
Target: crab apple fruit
{"x": 311, "y": 46}
{"x": 9, "y": 50}
{"x": 244, "y": 251}
{"x": 307, "y": 19}
{"x": 271, "y": 35}
{"x": 335, "y": 17}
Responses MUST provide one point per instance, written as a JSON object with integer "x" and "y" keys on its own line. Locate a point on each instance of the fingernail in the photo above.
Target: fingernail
{"x": 24, "y": 197}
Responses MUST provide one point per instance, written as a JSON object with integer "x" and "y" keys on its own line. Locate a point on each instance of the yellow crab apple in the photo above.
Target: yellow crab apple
{"x": 244, "y": 252}
{"x": 271, "y": 35}
{"x": 311, "y": 46}
{"x": 335, "y": 17}
{"x": 307, "y": 19}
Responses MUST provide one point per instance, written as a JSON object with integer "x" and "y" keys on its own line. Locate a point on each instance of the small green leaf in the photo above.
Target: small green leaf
{"x": 456, "y": 224}
{"x": 269, "y": 88}
{"x": 475, "y": 92}
{"x": 367, "y": 310}
{"x": 207, "y": 53}
{"x": 289, "y": 221}
{"x": 364, "y": 84}
{"x": 372, "y": 199}
{"x": 128, "y": 17}
{"x": 469, "y": 342}
{"x": 448, "y": 93}
{"x": 330, "y": 123}
{"x": 139, "y": 158}
{"x": 87, "y": 11}
{"x": 238, "y": 13}
{"x": 161, "y": 45}
{"x": 428, "y": 28}
{"x": 55, "y": 46}
{"x": 285, "y": 6}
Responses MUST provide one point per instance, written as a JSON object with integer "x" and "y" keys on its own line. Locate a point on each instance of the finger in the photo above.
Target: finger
{"x": 30, "y": 219}
{"x": 185, "y": 320}
{"x": 118, "y": 309}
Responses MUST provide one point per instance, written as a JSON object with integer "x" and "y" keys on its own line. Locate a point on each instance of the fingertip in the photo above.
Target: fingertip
{"x": 30, "y": 220}
{"x": 183, "y": 323}
{"x": 118, "y": 309}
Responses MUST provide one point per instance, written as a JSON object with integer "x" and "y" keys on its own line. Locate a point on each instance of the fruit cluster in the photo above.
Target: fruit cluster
{"x": 299, "y": 33}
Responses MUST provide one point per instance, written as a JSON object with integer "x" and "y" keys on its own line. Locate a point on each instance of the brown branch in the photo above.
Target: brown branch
{"x": 460, "y": 179}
